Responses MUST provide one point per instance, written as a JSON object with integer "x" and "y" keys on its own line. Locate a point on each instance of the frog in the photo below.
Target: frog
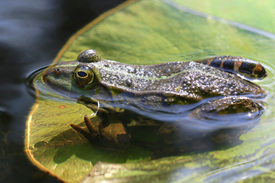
{"x": 176, "y": 99}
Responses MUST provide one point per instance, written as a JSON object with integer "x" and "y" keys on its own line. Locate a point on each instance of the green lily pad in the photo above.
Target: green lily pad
{"x": 149, "y": 32}
{"x": 256, "y": 13}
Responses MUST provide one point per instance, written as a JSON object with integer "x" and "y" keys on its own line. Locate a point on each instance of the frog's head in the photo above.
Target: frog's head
{"x": 75, "y": 78}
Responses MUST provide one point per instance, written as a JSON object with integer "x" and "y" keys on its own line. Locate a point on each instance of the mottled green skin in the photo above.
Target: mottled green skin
{"x": 164, "y": 95}
{"x": 155, "y": 86}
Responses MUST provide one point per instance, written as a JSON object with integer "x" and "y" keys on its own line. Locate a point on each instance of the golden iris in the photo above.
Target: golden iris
{"x": 83, "y": 75}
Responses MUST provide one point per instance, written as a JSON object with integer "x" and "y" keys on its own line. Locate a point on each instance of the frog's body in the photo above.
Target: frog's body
{"x": 161, "y": 92}
{"x": 152, "y": 87}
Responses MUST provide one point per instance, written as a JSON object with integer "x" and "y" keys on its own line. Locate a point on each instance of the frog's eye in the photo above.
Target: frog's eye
{"x": 83, "y": 75}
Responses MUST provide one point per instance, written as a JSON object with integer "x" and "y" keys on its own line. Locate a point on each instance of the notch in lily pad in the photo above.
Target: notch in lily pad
{"x": 89, "y": 56}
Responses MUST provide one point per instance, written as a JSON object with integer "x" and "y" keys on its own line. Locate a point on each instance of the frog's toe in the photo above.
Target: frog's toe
{"x": 93, "y": 129}
{"x": 112, "y": 137}
{"x": 80, "y": 130}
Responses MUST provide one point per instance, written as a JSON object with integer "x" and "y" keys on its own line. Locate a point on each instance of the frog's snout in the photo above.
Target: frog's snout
{"x": 57, "y": 77}
{"x": 51, "y": 73}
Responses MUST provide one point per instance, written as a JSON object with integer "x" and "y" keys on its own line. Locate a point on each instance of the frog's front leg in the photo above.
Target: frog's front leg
{"x": 103, "y": 134}
{"x": 243, "y": 66}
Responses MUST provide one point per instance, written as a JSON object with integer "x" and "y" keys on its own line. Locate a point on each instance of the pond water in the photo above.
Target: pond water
{"x": 31, "y": 34}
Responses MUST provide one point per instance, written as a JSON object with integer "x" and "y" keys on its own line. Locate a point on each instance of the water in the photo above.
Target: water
{"x": 31, "y": 34}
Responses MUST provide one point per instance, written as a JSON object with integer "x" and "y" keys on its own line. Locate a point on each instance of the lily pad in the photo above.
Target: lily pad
{"x": 149, "y": 32}
{"x": 251, "y": 13}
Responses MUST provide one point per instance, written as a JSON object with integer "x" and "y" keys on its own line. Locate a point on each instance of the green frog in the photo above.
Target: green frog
{"x": 176, "y": 99}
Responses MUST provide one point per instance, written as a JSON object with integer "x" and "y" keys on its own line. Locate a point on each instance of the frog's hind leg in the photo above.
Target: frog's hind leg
{"x": 243, "y": 66}
{"x": 224, "y": 120}
{"x": 224, "y": 107}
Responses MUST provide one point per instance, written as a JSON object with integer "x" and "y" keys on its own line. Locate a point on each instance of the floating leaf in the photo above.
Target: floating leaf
{"x": 149, "y": 32}
{"x": 256, "y": 13}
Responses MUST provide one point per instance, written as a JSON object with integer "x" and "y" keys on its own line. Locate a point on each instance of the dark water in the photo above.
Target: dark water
{"x": 31, "y": 34}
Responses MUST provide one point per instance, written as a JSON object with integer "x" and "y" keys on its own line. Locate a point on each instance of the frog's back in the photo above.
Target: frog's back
{"x": 187, "y": 81}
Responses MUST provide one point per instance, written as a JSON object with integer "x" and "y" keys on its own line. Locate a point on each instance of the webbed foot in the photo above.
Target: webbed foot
{"x": 112, "y": 137}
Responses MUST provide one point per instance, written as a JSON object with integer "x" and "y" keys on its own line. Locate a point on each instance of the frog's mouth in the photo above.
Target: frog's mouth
{"x": 58, "y": 91}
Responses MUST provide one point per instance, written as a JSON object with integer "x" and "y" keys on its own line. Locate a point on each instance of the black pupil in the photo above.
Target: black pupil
{"x": 82, "y": 74}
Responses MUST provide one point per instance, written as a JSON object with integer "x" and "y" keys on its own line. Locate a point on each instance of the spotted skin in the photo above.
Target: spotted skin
{"x": 164, "y": 96}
